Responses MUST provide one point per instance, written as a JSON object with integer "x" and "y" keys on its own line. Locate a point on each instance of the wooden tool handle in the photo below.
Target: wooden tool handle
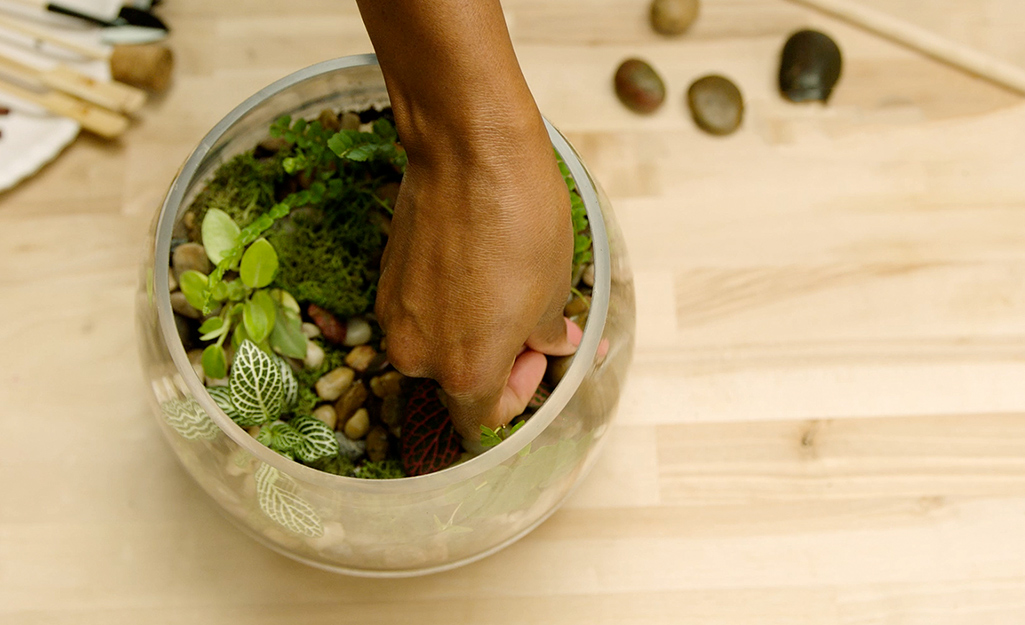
{"x": 112, "y": 95}
{"x": 911, "y": 36}
{"x": 43, "y": 35}
{"x": 93, "y": 118}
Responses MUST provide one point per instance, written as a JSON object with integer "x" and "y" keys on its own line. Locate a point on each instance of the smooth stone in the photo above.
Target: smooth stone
{"x": 332, "y": 384}
{"x": 809, "y": 67}
{"x": 184, "y": 331}
{"x": 310, "y": 330}
{"x": 189, "y": 257}
{"x": 387, "y": 384}
{"x": 360, "y": 357}
{"x": 196, "y": 360}
{"x": 350, "y": 121}
{"x": 329, "y": 120}
{"x": 377, "y": 444}
{"x": 182, "y": 306}
{"x": 351, "y": 401}
{"x": 349, "y": 448}
{"x": 358, "y": 424}
{"x": 391, "y": 411}
{"x": 557, "y": 368}
{"x": 314, "y": 356}
{"x": 327, "y": 415}
{"x": 172, "y": 284}
{"x": 588, "y": 276}
{"x": 639, "y": 87}
{"x": 673, "y": 17}
{"x": 716, "y": 105}
{"x": 357, "y": 332}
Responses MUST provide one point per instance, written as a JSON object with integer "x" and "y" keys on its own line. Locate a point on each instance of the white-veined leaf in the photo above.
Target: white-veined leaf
{"x": 189, "y": 419}
{"x": 290, "y": 385}
{"x": 278, "y": 497}
{"x": 222, "y": 397}
{"x": 281, "y": 437}
{"x": 318, "y": 440}
{"x": 256, "y": 388}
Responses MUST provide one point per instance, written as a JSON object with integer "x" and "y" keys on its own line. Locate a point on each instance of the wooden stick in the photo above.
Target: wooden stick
{"x": 43, "y": 35}
{"x": 93, "y": 118}
{"x": 112, "y": 95}
{"x": 935, "y": 46}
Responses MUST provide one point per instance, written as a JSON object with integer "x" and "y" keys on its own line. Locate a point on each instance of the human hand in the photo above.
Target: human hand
{"x": 477, "y": 271}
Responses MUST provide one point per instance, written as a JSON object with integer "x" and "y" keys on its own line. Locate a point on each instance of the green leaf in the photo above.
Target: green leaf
{"x": 259, "y": 264}
{"x": 220, "y": 234}
{"x": 290, "y": 383}
{"x": 239, "y": 336}
{"x": 222, "y": 398}
{"x": 285, "y": 299}
{"x": 258, "y": 315}
{"x": 194, "y": 285}
{"x": 280, "y": 436}
{"x": 489, "y": 437}
{"x": 287, "y": 336}
{"x": 236, "y": 290}
{"x": 318, "y": 440}
{"x": 189, "y": 419}
{"x": 256, "y": 387}
{"x": 278, "y": 497}
{"x": 211, "y": 325}
{"x": 215, "y": 362}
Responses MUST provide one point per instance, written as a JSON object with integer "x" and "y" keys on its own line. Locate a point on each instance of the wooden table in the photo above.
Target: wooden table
{"x": 825, "y": 422}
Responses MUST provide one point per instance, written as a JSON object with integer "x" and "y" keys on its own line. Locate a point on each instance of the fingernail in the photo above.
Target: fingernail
{"x": 573, "y": 333}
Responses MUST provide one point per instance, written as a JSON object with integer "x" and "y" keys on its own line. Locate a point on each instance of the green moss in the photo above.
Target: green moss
{"x": 243, "y": 187}
{"x": 307, "y": 400}
{"x": 383, "y": 470}
{"x": 326, "y": 255}
{"x": 338, "y": 465}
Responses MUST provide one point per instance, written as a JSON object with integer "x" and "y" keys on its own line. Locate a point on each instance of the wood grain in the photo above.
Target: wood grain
{"x": 825, "y": 421}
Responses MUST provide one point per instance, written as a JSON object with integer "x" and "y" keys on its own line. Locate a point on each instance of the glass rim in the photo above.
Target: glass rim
{"x": 537, "y": 423}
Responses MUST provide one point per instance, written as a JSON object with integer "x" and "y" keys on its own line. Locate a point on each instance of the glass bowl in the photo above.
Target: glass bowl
{"x": 384, "y": 528}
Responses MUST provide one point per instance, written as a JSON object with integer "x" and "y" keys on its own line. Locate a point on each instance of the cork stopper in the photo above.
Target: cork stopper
{"x": 146, "y": 66}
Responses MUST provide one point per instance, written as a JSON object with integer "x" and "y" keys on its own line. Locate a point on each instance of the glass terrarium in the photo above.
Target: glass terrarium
{"x": 396, "y": 527}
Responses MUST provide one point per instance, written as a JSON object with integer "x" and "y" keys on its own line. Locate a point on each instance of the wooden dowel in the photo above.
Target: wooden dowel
{"x": 43, "y": 35}
{"x": 931, "y": 44}
{"x": 93, "y": 118}
{"x": 111, "y": 95}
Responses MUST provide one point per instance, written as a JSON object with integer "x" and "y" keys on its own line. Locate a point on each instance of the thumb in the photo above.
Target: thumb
{"x": 558, "y": 337}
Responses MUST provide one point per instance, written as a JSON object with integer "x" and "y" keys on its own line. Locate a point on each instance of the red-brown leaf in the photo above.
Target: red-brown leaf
{"x": 429, "y": 442}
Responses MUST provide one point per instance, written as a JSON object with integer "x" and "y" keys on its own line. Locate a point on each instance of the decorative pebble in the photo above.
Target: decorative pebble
{"x": 357, "y": 332}
{"x": 377, "y": 444}
{"x": 184, "y": 331}
{"x": 351, "y": 401}
{"x": 349, "y": 448}
{"x": 310, "y": 330}
{"x": 327, "y": 415}
{"x": 673, "y": 17}
{"x": 391, "y": 411}
{"x": 639, "y": 87}
{"x": 387, "y": 384}
{"x": 716, "y": 105}
{"x": 190, "y": 256}
{"x": 329, "y": 120}
{"x": 809, "y": 67}
{"x": 172, "y": 284}
{"x": 588, "y": 276}
{"x": 358, "y": 424}
{"x": 360, "y": 357}
{"x": 350, "y": 121}
{"x": 332, "y": 384}
{"x": 182, "y": 306}
{"x": 314, "y": 356}
{"x": 557, "y": 368}
{"x": 196, "y": 360}
{"x": 577, "y": 306}
{"x": 328, "y": 324}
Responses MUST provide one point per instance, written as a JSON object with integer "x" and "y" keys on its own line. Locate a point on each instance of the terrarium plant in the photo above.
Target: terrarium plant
{"x": 294, "y": 231}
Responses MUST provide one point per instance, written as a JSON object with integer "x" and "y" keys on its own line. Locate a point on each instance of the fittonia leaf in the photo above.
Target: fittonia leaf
{"x": 281, "y": 437}
{"x": 318, "y": 440}
{"x": 278, "y": 497}
{"x": 222, "y": 398}
{"x": 290, "y": 385}
{"x": 189, "y": 419}
{"x": 256, "y": 386}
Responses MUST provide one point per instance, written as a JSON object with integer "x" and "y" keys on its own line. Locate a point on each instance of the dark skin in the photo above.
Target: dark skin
{"x": 476, "y": 271}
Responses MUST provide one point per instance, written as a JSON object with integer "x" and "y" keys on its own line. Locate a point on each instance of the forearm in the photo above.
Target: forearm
{"x": 451, "y": 73}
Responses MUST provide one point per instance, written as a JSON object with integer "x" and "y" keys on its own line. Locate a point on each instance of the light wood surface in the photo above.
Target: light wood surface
{"x": 825, "y": 421}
